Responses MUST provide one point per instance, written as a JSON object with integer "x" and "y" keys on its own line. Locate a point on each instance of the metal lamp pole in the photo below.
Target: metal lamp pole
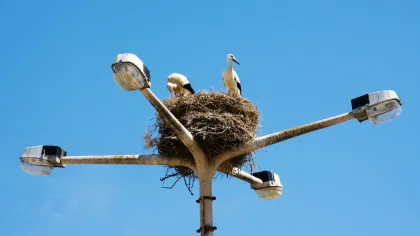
{"x": 205, "y": 170}
{"x": 131, "y": 74}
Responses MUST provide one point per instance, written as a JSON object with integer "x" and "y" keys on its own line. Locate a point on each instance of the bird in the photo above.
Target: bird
{"x": 231, "y": 79}
{"x": 178, "y": 85}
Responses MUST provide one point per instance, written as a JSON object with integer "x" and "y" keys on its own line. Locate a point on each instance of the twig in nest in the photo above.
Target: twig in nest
{"x": 169, "y": 176}
{"x": 174, "y": 183}
{"x": 188, "y": 185}
{"x": 179, "y": 174}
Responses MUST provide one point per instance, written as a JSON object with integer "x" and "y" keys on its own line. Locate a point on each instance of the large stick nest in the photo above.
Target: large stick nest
{"x": 217, "y": 121}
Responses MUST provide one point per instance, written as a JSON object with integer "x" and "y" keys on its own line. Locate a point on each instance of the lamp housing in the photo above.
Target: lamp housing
{"x": 378, "y": 107}
{"x": 40, "y": 160}
{"x": 271, "y": 187}
{"x": 130, "y": 73}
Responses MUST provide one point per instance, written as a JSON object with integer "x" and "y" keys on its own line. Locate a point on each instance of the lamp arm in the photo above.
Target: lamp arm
{"x": 271, "y": 139}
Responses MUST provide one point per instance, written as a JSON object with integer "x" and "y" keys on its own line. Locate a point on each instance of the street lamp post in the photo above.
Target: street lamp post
{"x": 130, "y": 73}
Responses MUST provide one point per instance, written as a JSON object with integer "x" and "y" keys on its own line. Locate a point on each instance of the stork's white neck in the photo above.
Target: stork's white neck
{"x": 230, "y": 64}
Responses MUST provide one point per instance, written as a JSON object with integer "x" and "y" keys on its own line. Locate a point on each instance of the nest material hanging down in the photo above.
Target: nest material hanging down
{"x": 217, "y": 121}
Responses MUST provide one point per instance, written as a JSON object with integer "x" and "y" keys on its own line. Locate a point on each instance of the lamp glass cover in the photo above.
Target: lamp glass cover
{"x": 128, "y": 76}
{"x": 269, "y": 193}
{"x": 384, "y": 112}
{"x": 35, "y": 169}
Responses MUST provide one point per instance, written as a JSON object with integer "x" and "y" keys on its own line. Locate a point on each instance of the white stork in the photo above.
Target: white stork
{"x": 231, "y": 79}
{"x": 179, "y": 85}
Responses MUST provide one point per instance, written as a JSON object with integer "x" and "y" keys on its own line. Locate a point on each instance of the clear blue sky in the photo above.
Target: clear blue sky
{"x": 300, "y": 61}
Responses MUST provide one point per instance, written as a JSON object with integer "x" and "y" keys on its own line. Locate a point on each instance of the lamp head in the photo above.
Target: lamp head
{"x": 40, "y": 160}
{"x": 271, "y": 187}
{"x": 379, "y": 107}
{"x": 130, "y": 73}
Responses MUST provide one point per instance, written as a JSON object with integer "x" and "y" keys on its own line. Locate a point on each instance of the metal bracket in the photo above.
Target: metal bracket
{"x": 360, "y": 114}
{"x": 207, "y": 228}
{"x": 205, "y": 197}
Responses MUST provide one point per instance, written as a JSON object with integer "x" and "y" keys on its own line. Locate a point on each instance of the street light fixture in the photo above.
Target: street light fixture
{"x": 379, "y": 107}
{"x": 40, "y": 160}
{"x": 271, "y": 187}
{"x": 45, "y": 157}
{"x": 130, "y": 73}
{"x": 265, "y": 183}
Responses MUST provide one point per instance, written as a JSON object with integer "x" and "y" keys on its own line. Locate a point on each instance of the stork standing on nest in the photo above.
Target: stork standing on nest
{"x": 231, "y": 79}
{"x": 179, "y": 85}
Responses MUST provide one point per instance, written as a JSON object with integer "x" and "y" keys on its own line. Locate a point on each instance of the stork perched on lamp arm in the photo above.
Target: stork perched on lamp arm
{"x": 179, "y": 85}
{"x": 231, "y": 79}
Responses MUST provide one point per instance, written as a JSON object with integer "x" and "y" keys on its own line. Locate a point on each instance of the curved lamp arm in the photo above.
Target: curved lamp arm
{"x": 242, "y": 175}
{"x": 183, "y": 134}
{"x": 270, "y": 139}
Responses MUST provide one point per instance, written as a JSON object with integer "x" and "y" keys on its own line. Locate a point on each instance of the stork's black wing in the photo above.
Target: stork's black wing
{"x": 239, "y": 87}
{"x": 189, "y": 88}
